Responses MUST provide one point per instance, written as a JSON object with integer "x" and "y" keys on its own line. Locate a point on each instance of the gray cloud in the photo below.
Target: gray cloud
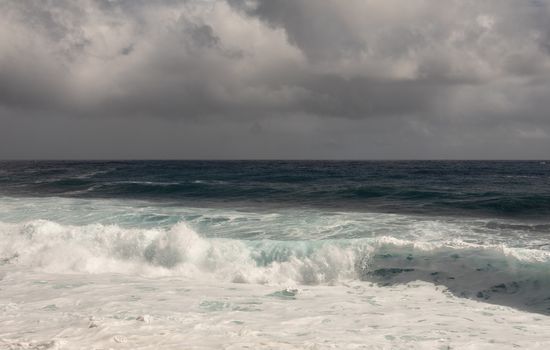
{"x": 282, "y": 78}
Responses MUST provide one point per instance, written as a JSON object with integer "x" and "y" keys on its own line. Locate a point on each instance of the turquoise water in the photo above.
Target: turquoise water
{"x": 479, "y": 229}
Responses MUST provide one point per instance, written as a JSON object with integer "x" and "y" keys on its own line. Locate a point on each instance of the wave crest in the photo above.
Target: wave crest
{"x": 494, "y": 272}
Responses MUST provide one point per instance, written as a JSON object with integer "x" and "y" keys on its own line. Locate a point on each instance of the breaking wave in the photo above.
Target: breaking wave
{"x": 490, "y": 273}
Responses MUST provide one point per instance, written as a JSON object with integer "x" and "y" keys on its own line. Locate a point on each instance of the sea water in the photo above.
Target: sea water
{"x": 274, "y": 255}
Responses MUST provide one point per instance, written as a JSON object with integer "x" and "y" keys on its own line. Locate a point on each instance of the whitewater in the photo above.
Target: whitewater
{"x": 86, "y": 268}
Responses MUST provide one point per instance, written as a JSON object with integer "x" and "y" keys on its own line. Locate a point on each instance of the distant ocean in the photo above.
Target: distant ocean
{"x": 274, "y": 254}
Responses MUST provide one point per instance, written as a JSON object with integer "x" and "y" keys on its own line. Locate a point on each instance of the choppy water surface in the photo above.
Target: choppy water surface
{"x": 386, "y": 237}
{"x": 471, "y": 188}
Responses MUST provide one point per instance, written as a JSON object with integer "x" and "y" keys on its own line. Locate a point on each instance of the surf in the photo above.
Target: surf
{"x": 497, "y": 274}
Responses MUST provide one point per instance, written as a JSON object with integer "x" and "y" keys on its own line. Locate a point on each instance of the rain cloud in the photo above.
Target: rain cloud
{"x": 381, "y": 79}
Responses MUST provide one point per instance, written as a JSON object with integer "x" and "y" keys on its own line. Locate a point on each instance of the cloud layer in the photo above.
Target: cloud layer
{"x": 274, "y": 79}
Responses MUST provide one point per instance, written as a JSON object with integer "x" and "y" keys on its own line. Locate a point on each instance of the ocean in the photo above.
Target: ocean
{"x": 274, "y": 254}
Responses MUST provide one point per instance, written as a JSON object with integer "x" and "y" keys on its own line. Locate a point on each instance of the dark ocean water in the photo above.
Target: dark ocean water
{"x": 516, "y": 189}
{"x": 480, "y": 229}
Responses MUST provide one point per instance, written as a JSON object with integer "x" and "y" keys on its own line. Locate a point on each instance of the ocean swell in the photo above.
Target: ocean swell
{"x": 510, "y": 276}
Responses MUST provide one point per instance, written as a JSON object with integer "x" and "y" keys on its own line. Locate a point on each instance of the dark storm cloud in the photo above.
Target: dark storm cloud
{"x": 320, "y": 30}
{"x": 293, "y": 78}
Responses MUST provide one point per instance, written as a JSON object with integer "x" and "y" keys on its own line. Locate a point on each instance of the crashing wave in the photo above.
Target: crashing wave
{"x": 498, "y": 274}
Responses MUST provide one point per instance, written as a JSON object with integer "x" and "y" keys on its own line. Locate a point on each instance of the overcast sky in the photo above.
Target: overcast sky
{"x": 332, "y": 79}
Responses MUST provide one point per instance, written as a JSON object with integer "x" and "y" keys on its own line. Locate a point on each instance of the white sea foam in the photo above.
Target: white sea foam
{"x": 51, "y": 247}
{"x": 280, "y": 224}
{"x": 75, "y": 311}
{"x": 110, "y": 274}
{"x": 179, "y": 251}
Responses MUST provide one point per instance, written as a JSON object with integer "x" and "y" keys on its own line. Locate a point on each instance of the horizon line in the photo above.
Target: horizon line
{"x": 274, "y": 160}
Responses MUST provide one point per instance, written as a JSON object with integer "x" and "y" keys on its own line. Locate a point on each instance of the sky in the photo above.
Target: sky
{"x": 274, "y": 79}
